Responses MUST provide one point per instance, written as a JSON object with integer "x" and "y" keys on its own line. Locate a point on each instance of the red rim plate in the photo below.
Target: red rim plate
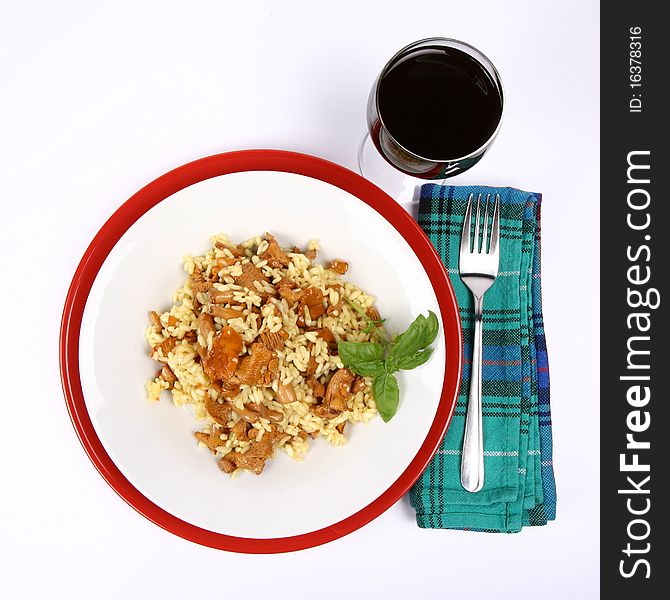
{"x": 159, "y": 190}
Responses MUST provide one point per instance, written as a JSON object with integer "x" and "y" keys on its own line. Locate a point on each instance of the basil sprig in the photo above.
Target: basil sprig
{"x": 380, "y": 361}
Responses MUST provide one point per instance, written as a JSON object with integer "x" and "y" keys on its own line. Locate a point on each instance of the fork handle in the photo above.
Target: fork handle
{"x": 472, "y": 462}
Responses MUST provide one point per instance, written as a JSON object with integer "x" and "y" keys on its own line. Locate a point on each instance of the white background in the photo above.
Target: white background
{"x": 99, "y": 98}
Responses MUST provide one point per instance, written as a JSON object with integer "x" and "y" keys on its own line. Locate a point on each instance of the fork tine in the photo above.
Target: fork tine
{"x": 467, "y": 222}
{"x": 495, "y": 229}
{"x": 485, "y": 236}
{"x": 476, "y": 247}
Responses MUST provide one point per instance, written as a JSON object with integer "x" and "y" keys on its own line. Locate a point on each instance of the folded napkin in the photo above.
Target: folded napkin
{"x": 519, "y": 487}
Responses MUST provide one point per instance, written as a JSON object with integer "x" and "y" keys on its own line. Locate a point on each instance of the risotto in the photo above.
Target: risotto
{"x": 250, "y": 343}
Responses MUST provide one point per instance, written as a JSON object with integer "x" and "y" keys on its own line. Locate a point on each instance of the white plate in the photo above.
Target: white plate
{"x": 152, "y": 444}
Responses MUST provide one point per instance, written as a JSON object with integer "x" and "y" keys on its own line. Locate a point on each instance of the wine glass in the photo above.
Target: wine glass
{"x": 433, "y": 112}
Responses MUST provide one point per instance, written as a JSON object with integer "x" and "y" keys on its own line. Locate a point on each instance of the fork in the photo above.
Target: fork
{"x": 478, "y": 267}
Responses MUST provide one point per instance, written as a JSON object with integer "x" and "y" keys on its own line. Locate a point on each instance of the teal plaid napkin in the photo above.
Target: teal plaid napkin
{"x": 519, "y": 486}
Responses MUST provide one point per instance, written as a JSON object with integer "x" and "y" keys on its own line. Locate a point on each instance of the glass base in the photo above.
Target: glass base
{"x": 404, "y": 189}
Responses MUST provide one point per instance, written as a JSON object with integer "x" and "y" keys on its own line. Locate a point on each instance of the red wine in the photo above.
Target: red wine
{"x": 439, "y": 103}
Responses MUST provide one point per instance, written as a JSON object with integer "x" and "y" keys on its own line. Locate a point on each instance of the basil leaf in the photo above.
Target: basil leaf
{"x": 367, "y": 369}
{"x": 420, "y": 334}
{"x": 409, "y": 341}
{"x": 359, "y": 352}
{"x": 391, "y": 364}
{"x": 370, "y": 359}
{"x": 413, "y": 361}
{"x": 431, "y": 327}
{"x": 386, "y": 393}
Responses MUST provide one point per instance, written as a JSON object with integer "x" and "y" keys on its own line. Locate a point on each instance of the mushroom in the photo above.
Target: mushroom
{"x": 253, "y": 459}
{"x": 275, "y": 256}
{"x": 327, "y": 336}
{"x": 156, "y": 320}
{"x": 271, "y": 373}
{"x": 240, "y": 431}
{"x": 247, "y": 414}
{"x": 224, "y": 313}
{"x": 227, "y": 388}
{"x": 212, "y": 438}
{"x": 219, "y": 411}
{"x": 220, "y": 264}
{"x": 358, "y": 385}
{"x": 250, "y": 274}
{"x": 286, "y": 393}
{"x": 198, "y": 282}
{"x": 205, "y": 326}
{"x": 273, "y": 340}
{"x": 312, "y": 298}
{"x": 167, "y": 376}
{"x": 226, "y": 464}
{"x": 275, "y": 416}
{"x": 338, "y": 392}
{"x": 271, "y": 415}
{"x": 251, "y": 367}
{"x": 288, "y": 290}
{"x": 318, "y": 389}
{"x": 236, "y": 251}
{"x": 221, "y": 360}
{"x": 339, "y": 266}
{"x": 167, "y": 345}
